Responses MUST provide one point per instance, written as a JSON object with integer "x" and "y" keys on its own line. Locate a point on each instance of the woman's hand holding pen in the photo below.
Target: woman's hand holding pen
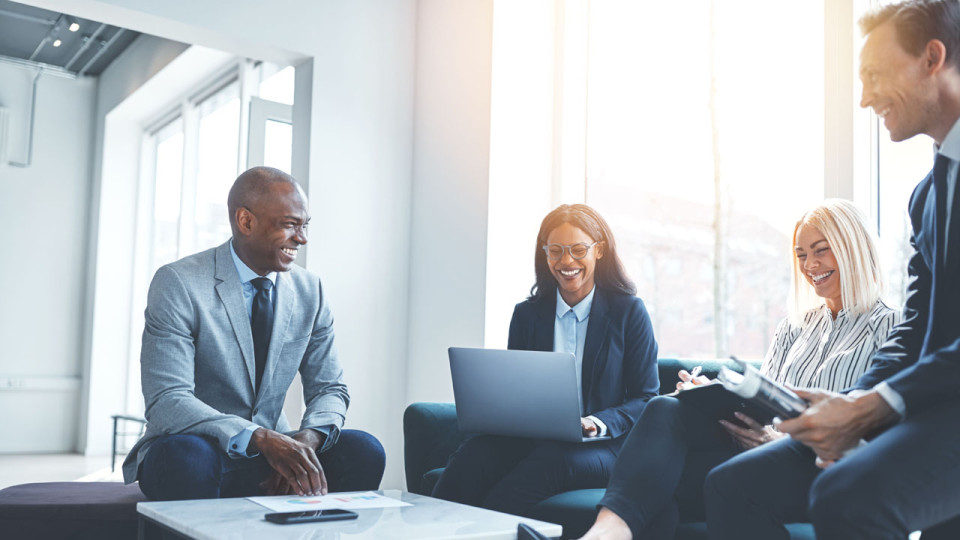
{"x": 691, "y": 379}
{"x": 753, "y": 435}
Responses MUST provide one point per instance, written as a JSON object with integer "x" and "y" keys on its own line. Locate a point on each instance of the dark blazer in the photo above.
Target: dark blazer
{"x": 921, "y": 358}
{"x": 619, "y": 356}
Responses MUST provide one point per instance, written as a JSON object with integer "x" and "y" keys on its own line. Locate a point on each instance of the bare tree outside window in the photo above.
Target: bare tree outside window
{"x": 704, "y": 146}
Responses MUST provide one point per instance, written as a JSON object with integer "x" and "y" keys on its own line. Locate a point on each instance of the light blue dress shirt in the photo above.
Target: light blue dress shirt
{"x": 569, "y": 335}
{"x": 950, "y": 149}
{"x": 240, "y": 441}
{"x": 246, "y": 277}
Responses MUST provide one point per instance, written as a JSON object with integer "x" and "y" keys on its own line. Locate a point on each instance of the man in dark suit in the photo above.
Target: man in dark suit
{"x": 881, "y": 460}
{"x": 226, "y": 330}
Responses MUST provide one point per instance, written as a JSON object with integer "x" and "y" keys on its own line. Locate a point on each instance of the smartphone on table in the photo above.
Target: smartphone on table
{"x": 333, "y": 514}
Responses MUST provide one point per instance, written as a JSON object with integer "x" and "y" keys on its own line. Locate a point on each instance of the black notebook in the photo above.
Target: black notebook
{"x": 720, "y": 404}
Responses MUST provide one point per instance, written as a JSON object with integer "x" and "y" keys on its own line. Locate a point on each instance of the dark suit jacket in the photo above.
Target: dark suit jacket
{"x": 619, "y": 356}
{"x": 921, "y": 358}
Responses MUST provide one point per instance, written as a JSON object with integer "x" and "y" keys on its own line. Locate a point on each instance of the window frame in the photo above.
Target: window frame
{"x": 187, "y": 111}
{"x": 843, "y": 121}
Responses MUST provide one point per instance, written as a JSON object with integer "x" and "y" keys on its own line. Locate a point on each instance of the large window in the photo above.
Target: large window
{"x": 168, "y": 184}
{"x": 190, "y": 158}
{"x": 896, "y": 168}
{"x": 218, "y": 144}
{"x": 900, "y": 167}
{"x": 704, "y": 145}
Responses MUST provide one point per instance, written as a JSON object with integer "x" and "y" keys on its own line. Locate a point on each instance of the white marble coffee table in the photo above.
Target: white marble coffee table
{"x": 427, "y": 518}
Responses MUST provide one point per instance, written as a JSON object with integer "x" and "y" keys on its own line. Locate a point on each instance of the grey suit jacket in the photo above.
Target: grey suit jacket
{"x": 197, "y": 363}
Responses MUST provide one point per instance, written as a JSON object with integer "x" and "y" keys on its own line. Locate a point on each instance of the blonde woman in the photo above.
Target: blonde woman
{"x": 837, "y": 321}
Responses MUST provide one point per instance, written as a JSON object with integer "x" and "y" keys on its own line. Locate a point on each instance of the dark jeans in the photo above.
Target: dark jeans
{"x": 904, "y": 480}
{"x": 179, "y": 467}
{"x": 511, "y": 475}
{"x": 663, "y": 463}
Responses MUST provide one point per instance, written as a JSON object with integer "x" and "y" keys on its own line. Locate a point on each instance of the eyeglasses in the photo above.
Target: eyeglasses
{"x": 577, "y": 251}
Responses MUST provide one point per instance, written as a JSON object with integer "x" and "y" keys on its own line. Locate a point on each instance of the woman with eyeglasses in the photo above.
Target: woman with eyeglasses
{"x": 582, "y": 303}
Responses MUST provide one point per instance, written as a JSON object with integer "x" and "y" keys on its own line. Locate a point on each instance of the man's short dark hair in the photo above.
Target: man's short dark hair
{"x": 251, "y": 185}
{"x": 919, "y": 21}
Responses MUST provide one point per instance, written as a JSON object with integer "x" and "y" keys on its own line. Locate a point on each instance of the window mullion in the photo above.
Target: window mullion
{"x": 248, "y": 80}
{"x": 188, "y": 192}
{"x": 570, "y": 105}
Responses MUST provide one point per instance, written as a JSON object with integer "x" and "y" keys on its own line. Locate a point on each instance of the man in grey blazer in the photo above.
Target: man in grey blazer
{"x": 225, "y": 332}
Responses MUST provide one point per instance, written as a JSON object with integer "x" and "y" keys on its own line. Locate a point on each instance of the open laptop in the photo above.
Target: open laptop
{"x": 520, "y": 393}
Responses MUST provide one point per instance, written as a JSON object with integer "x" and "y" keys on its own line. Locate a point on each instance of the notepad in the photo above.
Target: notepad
{"x": 720, "y": 404}
{"x": 344, "y": 501}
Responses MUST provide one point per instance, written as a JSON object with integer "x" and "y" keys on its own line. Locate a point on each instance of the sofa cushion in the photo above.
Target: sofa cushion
{"x": 75, "y": 510}
{"x": 698, "y": 531}
{"x": 430, "y": 435}
{"x": 575, "y": 510}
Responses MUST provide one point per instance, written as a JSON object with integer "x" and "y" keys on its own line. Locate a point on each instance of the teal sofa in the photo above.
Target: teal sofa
{"x": 431, "y": 435}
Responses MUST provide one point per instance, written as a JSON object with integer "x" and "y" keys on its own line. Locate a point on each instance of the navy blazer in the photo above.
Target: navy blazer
{"x": 619, "y": 355}
{"x": 921, "y": 358}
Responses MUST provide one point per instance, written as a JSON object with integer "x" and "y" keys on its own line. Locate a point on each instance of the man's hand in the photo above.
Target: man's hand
{"x": 835, "y": 423}
{"x": 589, "y": 427}
{"x": 752, "y": 436}
{"x": 294, "y": 462}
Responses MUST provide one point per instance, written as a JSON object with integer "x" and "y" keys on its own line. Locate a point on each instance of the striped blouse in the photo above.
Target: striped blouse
{"x": 827, "y": 353}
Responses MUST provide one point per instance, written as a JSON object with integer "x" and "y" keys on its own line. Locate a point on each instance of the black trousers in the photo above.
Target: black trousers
{"x": 659, "y": 476}
{"x": 512, "y": 475}
{"x": 906, "y": 479}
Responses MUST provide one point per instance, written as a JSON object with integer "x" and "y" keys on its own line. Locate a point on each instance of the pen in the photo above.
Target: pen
{"x": 693, "y": 375}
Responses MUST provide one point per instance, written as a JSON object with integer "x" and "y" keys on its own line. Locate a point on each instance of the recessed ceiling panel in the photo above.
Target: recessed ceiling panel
{"x": 78, "y": 45}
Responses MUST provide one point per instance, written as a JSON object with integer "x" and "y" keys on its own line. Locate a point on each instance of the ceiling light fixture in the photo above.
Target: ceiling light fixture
{"x": 57, "y": 43}
{"x": 74, "y": 26}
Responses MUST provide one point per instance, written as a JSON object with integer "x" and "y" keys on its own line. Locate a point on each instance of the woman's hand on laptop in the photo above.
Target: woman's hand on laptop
{"x": 589, "y": 428}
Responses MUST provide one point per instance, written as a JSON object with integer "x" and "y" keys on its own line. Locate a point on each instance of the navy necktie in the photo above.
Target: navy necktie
{"x": 950, "y": 238}
{"x": 261, "y": 324}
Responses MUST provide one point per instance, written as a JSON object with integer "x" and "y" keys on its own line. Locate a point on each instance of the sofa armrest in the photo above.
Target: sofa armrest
{"x": 430, "y": 435}
{"x": 667, "y": 369}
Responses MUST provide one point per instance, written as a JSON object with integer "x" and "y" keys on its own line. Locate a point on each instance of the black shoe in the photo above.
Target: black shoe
{"x": 526, "y": 532}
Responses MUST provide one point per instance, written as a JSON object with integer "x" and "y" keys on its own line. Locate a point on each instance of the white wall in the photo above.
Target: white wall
{"x": 150, "y": 74}
{"x": 521, "y": 153}
{"x": 451, "y": 181}
{"x": 358, "y": 171}
{"x": 397, "y": 179}
{"x": 359, "y": 188}
{"x": 43, "y": 224}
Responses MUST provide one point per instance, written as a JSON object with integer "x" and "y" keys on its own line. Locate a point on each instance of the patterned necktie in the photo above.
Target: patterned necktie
{"x": 261, "y": 324}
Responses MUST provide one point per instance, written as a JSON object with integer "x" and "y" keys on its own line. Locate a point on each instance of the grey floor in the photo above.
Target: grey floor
{"x": 25, "y": 468}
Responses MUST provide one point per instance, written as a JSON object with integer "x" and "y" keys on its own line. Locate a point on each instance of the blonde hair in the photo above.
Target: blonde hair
{"x": 858, "y": 260}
